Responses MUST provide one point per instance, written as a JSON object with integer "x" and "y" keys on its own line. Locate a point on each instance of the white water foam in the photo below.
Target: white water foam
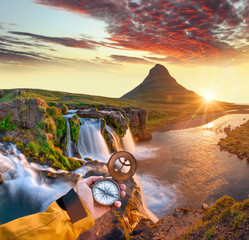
{"x": 91, "y": 143}
{"x": 115, "y": 137}
{"x": 69, "y": 141}
{"x": 22, "y": 185}
{"x": 157, "y": 194}
{"x": 128, "y": 142}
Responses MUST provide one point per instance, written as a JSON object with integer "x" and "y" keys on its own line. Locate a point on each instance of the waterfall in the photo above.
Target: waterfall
{"x": 128, "y": 142}
{"x": 69, "y": 141}
{"x": 91, "y": 143}
{"x": 115, "y": 137}
{"x": 22, "y": 191}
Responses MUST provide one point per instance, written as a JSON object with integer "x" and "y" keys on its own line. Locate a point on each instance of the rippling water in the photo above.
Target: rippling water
{"x": 187, "y": 167}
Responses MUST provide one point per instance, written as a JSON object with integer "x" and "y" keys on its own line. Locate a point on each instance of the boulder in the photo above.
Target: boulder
{"x": 66, "y": 98}
{"x": 25, "y": 113}
{"x": 138, "y": 119}
{"x": 17, "y": 92}
{"x": 170, "y": 227}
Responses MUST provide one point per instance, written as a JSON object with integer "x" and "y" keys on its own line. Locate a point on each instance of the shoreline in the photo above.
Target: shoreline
{"x": 188, "y": 121}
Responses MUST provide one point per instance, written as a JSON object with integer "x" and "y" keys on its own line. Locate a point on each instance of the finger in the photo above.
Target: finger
{"x": 90, "y": 180}
{"x": 122, "y": 194}
{"x": 117, "y": 204}
{"x": 122, "y": 187}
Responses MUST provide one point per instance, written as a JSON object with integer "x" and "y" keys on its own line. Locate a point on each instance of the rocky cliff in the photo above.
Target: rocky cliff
{"x": 25, "y": 113}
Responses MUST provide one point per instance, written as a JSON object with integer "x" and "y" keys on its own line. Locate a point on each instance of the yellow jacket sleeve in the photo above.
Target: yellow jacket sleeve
{"x": 55, "y": 223}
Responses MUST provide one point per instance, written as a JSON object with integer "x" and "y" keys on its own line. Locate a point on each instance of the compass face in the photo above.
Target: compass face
{"x": 106, "y": 192}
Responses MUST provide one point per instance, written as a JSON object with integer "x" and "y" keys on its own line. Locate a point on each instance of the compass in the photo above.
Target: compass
{"x": 121, "y": 166}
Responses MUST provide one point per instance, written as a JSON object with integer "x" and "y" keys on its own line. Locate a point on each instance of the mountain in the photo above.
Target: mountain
{"x": 160, "y": 86}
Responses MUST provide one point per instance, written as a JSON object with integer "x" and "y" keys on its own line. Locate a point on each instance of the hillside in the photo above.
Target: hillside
{"x": 165, "y": 100}
{"x": 159, "y": 86}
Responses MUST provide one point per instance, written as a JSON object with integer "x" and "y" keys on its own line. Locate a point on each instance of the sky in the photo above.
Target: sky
{"x": 107, "y": 47}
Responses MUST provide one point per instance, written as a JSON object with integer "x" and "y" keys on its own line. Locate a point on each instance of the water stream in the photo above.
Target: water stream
{"x": 180, "y": 168}
{"x": 91, "y": 143}
{"x": 69, "y": 141}
{"x": 187, "y": 168}
{"x": 23, "y": 192}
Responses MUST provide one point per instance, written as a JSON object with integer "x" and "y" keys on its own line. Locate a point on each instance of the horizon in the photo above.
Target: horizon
{"x": 108, "y": 49}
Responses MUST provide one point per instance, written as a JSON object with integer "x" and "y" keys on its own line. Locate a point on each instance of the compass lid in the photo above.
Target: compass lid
{"x": 122, "y": 165}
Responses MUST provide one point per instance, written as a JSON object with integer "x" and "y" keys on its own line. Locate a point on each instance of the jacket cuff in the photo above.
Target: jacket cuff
{"x": 72, "y": 204}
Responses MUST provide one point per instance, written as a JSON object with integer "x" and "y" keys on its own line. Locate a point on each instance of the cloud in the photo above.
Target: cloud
{"x": 127, "y": 59}
{"x": 21, "y": 59}
{"x": 68, "y": 42}
{"x": 39, "y": 60}
{"x": 20, "y": 56}
{"x": 195, "y": 29}
{"x": 167, "y": 59}
{"x": 8, "y": 41}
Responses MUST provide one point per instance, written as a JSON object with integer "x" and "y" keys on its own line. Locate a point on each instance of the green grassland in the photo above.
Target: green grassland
{"x": 226, "y": 219}
{"x": 237, "y": 141}
{"x": 159, "y": 112}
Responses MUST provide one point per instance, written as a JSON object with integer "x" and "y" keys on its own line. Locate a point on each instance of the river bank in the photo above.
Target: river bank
{"x": 188, "y": 169}
{"x": 192, "y": 121}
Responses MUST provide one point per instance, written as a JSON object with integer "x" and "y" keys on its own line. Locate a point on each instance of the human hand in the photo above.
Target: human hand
{"x": 84, "y": 191}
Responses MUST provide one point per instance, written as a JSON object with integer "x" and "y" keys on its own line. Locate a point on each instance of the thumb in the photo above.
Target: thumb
{"x": 90, "y": 180}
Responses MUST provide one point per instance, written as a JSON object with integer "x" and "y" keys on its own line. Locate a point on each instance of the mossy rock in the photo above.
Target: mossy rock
{"x": 119, "y": 129}
{"x": 53, "y": 112}
{"x": 75, "y": 128}
{"x": 61, "y": 125}
{"x": 6, "y": 124}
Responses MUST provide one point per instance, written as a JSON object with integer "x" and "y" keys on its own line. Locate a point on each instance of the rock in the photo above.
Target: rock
{"x": 66, "y": 98}
{"x": 113, "y": 118}
{"x": 17, "y": 92}
{"x": 1, "y": 93}
{"x": 25, "y": 113}
{"x": 63, "y": 108}
{"x": 1, "y": 178}
{"x": 51, "y": 177}
{"x": 227, "y": 129}
{"x": 138, "y": 119}
{"x": 170, "y": 227}
{"x": 205, "y": 206}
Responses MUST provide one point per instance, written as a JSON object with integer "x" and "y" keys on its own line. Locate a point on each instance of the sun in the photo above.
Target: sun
{"x": 209, "y": 97}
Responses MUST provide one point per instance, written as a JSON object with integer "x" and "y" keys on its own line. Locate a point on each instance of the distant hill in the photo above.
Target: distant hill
{"x": 160, "y": 86}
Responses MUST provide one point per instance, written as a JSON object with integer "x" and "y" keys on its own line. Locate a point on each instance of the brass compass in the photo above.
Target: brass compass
{"x": 121, "y": 166}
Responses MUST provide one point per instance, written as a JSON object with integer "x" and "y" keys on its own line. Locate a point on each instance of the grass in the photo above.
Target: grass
{"x": 158, "y": 113}
{"x": 237, "y": 141}
{"x": 225, "y": 216}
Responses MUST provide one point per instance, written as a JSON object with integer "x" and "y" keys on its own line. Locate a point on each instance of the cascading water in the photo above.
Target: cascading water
{"x": 22, "y": 191}
{"x": 128, "y": 142}
{"x": 69, "y": 141}
{"x": 91, "y": 143}
{"x": 115, "y": 137}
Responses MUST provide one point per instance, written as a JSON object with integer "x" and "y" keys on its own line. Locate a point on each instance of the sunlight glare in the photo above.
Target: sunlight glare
{"x": 208, "y": 97}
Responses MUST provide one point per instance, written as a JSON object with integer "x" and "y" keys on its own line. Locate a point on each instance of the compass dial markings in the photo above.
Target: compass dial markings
{"x": 106, "y": 192}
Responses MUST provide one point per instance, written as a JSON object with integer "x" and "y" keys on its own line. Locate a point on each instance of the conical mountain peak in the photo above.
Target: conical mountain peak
{"x": 159, "y": 69}
{"x": 160, "y": 86}
{"x": 159, "y": 73}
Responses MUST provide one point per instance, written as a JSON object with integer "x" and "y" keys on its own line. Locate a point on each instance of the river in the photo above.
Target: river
{"x": 178, "y": 168}
{"x": 185, "y": 168}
